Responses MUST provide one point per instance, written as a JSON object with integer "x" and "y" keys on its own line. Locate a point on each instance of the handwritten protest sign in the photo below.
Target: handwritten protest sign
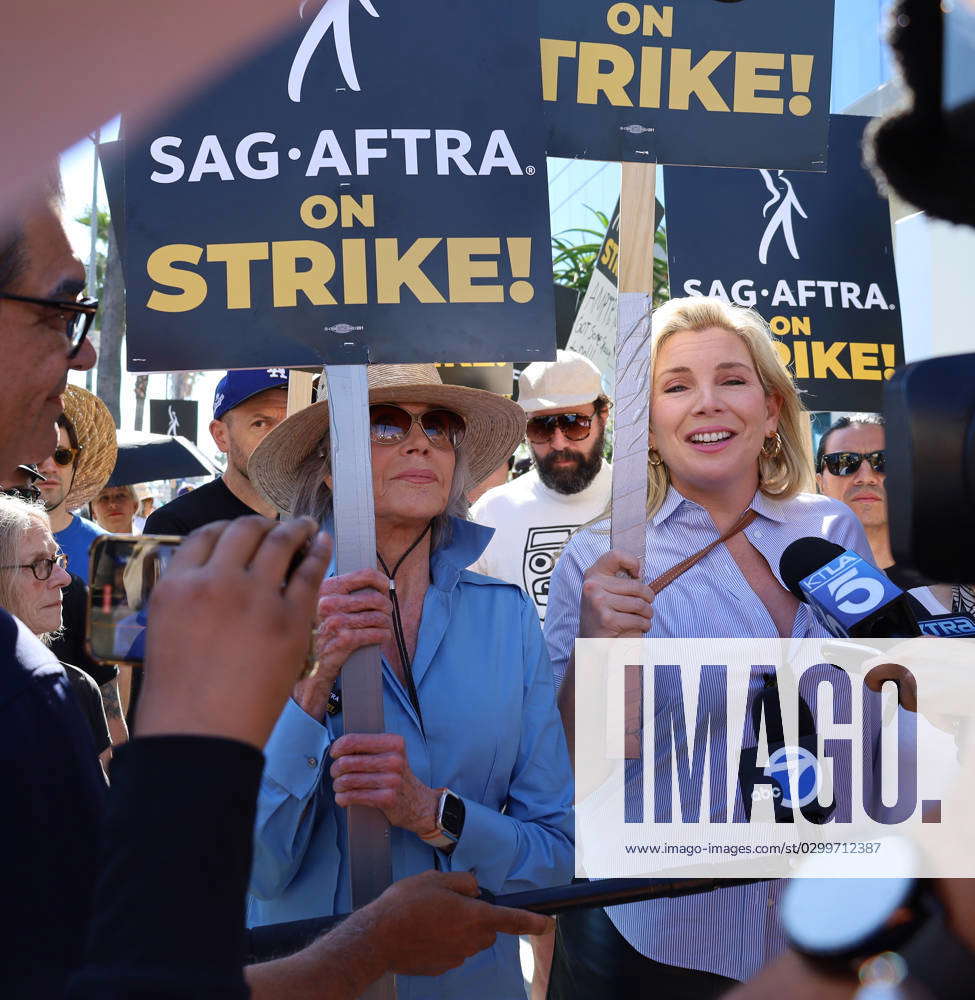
{"x": 319, "y": 206}
{"x": 812, "y": 253}
{"x": 699, "y": 82}
{"x": 594, "y": 329}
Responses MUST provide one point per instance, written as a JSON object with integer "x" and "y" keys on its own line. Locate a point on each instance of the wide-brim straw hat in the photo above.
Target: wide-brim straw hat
{"x": 495, "y": 426}
{"x": 94, "y": 430}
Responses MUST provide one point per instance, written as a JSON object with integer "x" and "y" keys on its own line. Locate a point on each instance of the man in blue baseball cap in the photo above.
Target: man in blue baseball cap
{"x": 246, "y": 405}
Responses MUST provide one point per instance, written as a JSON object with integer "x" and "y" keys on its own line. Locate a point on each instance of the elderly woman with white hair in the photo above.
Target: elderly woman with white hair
{"x": 473, "y": 772}
{"x": 33, "y": 573}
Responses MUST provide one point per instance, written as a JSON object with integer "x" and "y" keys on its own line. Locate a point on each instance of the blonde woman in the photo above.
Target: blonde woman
{"x": 728, "y": 450}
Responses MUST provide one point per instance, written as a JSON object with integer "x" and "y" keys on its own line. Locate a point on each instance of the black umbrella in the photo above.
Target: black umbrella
{"x": 144, "y": 458}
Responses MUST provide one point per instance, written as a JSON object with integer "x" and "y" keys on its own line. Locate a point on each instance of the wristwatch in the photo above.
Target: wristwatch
{"x": 450, "y": 821}
{"x": 837, "y": 923}
{"x": 881, "y": 929}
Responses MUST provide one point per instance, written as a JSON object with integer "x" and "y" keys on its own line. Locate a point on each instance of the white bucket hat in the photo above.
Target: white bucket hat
{"x": 570, "y": 380}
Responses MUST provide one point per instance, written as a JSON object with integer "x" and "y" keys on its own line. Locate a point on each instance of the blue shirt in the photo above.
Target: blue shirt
{"x": 734, "y": 931}
{"x": 493, "y": 736}
{"x": 75, "y": 541}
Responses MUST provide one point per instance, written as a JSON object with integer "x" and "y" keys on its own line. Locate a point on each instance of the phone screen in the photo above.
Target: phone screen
{"x": 124, "y": 569}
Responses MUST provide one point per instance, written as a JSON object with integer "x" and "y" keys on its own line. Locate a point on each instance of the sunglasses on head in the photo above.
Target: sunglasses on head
{"x": 390, "y": 424}
{"x": 845, "y": 463}
{"x": 29, "y": 493}
{"x": 574, "y": 427}
{"x": 66, "y": 456}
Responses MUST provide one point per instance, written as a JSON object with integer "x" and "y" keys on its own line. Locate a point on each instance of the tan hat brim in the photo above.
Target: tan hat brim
{"x": 495, "y": 426}
{"x": 94, "y": 429}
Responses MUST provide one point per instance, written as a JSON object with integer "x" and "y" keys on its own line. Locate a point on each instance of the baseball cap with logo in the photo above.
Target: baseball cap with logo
{"x": 236, "y": 386}
{"x": 570, "y": 380}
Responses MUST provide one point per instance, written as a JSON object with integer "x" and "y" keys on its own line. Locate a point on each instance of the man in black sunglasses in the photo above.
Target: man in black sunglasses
{"x": 850, "y": 468}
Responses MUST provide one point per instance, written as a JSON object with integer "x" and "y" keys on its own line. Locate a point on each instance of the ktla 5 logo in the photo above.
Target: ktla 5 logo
{"x": 843, "y": 578}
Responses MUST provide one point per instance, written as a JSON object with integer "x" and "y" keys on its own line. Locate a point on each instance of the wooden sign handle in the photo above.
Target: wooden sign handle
{"x": 370, "y": 862}
{"x": 632, "y": 411}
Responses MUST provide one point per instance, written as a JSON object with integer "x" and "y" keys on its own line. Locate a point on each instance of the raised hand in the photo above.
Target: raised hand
{"x": 227, "y": 634}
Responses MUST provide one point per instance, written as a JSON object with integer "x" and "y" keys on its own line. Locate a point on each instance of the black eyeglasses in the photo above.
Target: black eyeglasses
{"x": 76, "y": 316}
{"x": 389, "y": 424}
{"x": 43, "y": 568}
{"x": 66, "y": 456}
{"x": 845, "y": 463}
{"x": 574, "y": 427}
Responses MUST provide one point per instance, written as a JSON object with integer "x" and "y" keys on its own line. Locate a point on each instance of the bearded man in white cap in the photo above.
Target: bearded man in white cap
{"x": 534, "y": 515}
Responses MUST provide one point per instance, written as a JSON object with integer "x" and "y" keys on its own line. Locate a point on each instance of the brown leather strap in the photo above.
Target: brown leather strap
{"x": 665, "y": 579}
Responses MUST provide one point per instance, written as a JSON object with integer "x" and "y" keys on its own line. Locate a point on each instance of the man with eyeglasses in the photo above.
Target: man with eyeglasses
{"x": 165, "y": 801}
{"x": 534, "y": 515}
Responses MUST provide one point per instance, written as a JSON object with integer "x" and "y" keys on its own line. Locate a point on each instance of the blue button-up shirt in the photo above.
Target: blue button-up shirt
{"x": 493, "y": 736}
{"x": 731, "y": 932}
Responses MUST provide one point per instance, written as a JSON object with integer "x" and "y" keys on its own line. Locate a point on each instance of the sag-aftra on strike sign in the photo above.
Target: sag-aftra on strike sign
{"x": 700, "y": 82}
{"x": 371, "y": 188}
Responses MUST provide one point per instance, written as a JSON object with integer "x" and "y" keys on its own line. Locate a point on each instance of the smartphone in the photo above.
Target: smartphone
{"x": 123, "y": 571}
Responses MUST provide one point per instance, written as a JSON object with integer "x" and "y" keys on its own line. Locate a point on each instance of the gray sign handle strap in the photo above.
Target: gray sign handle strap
{"x": 631, "y": 434}
{"x": 370, "y": 864}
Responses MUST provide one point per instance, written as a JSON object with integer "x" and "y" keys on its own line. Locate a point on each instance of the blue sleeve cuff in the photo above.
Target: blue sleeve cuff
{"x": 485, "y": 846}
{"x": 297, "y": 751}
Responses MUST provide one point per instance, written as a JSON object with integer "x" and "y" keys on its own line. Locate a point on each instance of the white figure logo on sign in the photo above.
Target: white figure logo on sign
{"x": 782, "y": 216}
{"x": 173, "y": 423}
{"x": 334, "y": 14}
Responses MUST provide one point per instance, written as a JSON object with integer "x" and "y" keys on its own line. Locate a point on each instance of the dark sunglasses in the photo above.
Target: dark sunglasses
{"x": 574, "y": 427}
{"x": 77, "y": 317}
{"x": 66, "y": 456}
{"x": 389, "y": 424}
{"x": 43, "y": 568}
{"x": 845, "y": 463}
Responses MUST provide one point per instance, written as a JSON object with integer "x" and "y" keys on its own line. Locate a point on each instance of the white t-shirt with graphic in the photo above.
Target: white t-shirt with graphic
{"x": 532, "y": 524}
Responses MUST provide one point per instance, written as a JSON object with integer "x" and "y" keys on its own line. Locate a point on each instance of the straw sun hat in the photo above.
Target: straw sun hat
{"x": 94, "y": 430}
{"x": 495, "y": 425}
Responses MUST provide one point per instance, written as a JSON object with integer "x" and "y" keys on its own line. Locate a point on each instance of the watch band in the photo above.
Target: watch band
{"x": 438, "y": 839}
{"x": 939, "y": 960}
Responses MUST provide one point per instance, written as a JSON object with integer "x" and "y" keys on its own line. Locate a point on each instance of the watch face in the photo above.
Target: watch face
{"x": 828, "y": 916}
{"x": 452, "y": 814}
{"x": 833, "y": 916}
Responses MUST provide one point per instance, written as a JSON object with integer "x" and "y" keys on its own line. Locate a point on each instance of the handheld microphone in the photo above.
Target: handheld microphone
{"x": 850, "y": 597}
{"x": 955, "y": 626}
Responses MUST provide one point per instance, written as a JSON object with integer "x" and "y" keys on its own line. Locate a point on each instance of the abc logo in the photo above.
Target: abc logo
{"x": 795, "y": 775}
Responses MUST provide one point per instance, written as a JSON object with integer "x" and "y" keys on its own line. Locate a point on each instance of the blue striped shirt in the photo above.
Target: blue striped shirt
{"x": 732, "y": 932}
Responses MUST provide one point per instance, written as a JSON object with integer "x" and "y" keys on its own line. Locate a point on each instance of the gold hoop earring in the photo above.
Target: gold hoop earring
{"x": 654, "y": 458}
{"x": 772, "y": 445}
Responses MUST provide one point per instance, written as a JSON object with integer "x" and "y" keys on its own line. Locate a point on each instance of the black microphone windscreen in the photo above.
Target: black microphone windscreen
{"x": 802, "y": 558}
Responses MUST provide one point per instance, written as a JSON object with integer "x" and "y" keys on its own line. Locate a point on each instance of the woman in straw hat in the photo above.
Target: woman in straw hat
{"x": 729, "y": 470}
{"x": 473, "y": 773}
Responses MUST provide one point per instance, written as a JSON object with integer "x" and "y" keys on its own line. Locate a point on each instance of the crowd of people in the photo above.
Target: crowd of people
{"x": 140, "y": 862}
